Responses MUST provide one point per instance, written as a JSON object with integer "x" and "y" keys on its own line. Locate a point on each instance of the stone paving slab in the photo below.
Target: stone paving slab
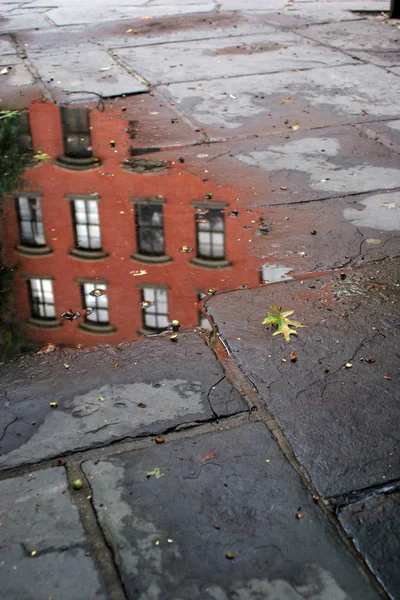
{"x": 266, "y": 103}
{"x": 341, "y": 422}
{"x": 164, "y": 533}
{"x": 302, "y": 13}
{"x": 297, "y": 166}
{"x": 37, "y": 515}
{"x": 369, "y": 40}
{"x": 157, "y": 385}
{"x": 144, "y": 31}
{"x": 95, "y": 12}
{"x": 93, "y": 71}
{"x": 374, "y": 526}
{"x": 6, "y": 46}
{"x": 229, "y": 57}
{"x": 31, "y": 20}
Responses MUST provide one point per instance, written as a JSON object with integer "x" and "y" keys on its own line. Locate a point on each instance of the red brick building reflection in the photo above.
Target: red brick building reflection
{"x": 129, "y": 243}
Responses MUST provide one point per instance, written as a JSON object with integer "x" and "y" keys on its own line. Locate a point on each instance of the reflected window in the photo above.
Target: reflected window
{"x": 76, "y": 132}
{"x": 150, "y": 229}
{"x": 25, "y": 139}
{"x": 85, "y": 215}
{"x": 42, "y": 298}
{"x": 96, "y": 306}
{"x": 155, "y": 316}
{"x": 30, "y": 221}
{"x": 210, "y": 230}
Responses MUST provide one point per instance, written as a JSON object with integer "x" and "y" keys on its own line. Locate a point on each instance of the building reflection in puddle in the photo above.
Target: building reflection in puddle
{"x": 112, "y": 243}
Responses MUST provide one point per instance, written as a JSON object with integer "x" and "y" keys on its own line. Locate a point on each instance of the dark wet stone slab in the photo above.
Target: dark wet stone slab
{"x": 341, "y": 422}
{"x": 43, "y": 550}
{"x": 227, "y": 492}
{"x": 374, "y": 526}
{"x": 106, "y": 394}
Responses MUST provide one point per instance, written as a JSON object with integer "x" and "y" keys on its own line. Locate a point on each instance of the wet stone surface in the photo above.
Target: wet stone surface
{"x": 341, "y": 422}
{"x": 374, "y": 525}
{"x": 106, "y": 395}
{"x": 219, "y": 522}
{"x": 42, "y": 539}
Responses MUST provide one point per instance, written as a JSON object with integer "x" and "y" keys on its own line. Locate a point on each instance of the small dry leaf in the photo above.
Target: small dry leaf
{"x": 216, "y": 526}
{"x": 293, "y": 356}
{"x": 53, "y": 404}
{"x": 209, "y": 456}
{"x": 295, "y": 127}
{"x": 370, "y": 359}
{"x": 230, "y": 555}
{"x": 283, "y": 187}
{"x": 299, "y": 515}
{"x": 159, "y": 439}
{"x": 33, "y": 553}
{"x": 101, "y": 398}
{"x": 154, "y": 472}
{"x": 4, "y": 71}
{"x": 142, "y": 405}
{"x": 348, "y": 365}
{"x": 387, "y": 377}
{"x": 66, "y": 366}
{"x": 116, "y": 365}
{"x": 286, "y": 100}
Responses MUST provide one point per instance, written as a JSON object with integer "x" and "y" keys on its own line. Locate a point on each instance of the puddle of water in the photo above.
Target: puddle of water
{"x": 130, "y": 248}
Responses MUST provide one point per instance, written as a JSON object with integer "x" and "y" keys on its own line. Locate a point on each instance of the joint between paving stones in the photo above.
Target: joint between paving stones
{"x": 248, "y": 390}
{"x": 103, "y": 549}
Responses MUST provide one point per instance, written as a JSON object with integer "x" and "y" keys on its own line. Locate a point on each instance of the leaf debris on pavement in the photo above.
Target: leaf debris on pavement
{"x": 208, "y": 456}
{"x": 154, "y": 472}
{"x": 285, "y": 326}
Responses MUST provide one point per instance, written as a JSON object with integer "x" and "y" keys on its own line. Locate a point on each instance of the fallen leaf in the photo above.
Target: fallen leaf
{"x": 348, "y": 365}
{"x": 286, "y": 100}
{"x": 375, "y": 241}
{"x": 129, "y": 30}
{"x": 295, "y": 127}
{"x": 293, "y": 356}
{"x": 101, "y": 399}
{"x": 283, "y": 187}
{"x": 208, "y": 456}
{"x": 284, "y": 325}
{"x": 66, "y": 366}
{"x": 47, "y": 348}
{"x": 299, "y": 515}
{"x": 53, "y": 404}
{"x": 4, "y": 71}
{"x": 387, "y": 377}
{"x": 154, "y": 472}
{"x": 142, "y": 405}
{"x": 33, "y": 553}
{"x": 230, "y": 555}
{"x": 62, "y": 462}
{"x": 370, "y": 359}
{"x": 159, "y": 439}
{"x": 216, "y": 526}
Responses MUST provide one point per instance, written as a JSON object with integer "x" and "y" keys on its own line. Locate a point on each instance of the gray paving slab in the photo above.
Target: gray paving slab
{"x": 106, "y": 11}
{"x": 37, "y": 516}
{"x": 374, "y": 526}
{"x": 300, "y": 166}
{"x": 144, "y": 31}
{"x": 34, "y": 20}
{"x": 156, "y": 385}
{"x": 270, "y": 5}
{"x": 301, "y": 13}
{"x": 341, "y": 422}
{"x": 229, "y": 57}
{"x": 164, "y": 530}
{"x": 6, "y": 45}
{"x": 369, "y": 40}
{"x": 93, "y": 71}
{"x": 266, "y": 103}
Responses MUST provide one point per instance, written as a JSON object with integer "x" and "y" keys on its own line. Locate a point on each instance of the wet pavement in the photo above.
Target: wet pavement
{"x": 191, "y": 166}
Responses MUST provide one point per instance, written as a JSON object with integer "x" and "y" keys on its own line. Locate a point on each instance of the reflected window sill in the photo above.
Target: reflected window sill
{"x": 148, "y": 331}
{"x": 77, "y": 164}
{"x": 44, "y": 323}
{"x": 33, "y": 250}
{"x": 88, "y": 254}
{"x": 211, "y": 264}
{"x": 143, "y": 258}
{"x": 97, "y": 328}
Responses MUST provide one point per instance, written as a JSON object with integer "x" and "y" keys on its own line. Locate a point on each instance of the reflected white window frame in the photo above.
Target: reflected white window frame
{"x": 41, "y": 295}
{"x": 86, "y": 223}
{"x": 210, "y": 238}
{"x": 98, "y": 305}
{"x": 30, "y": 221}
{"x": 156, "y": 316}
